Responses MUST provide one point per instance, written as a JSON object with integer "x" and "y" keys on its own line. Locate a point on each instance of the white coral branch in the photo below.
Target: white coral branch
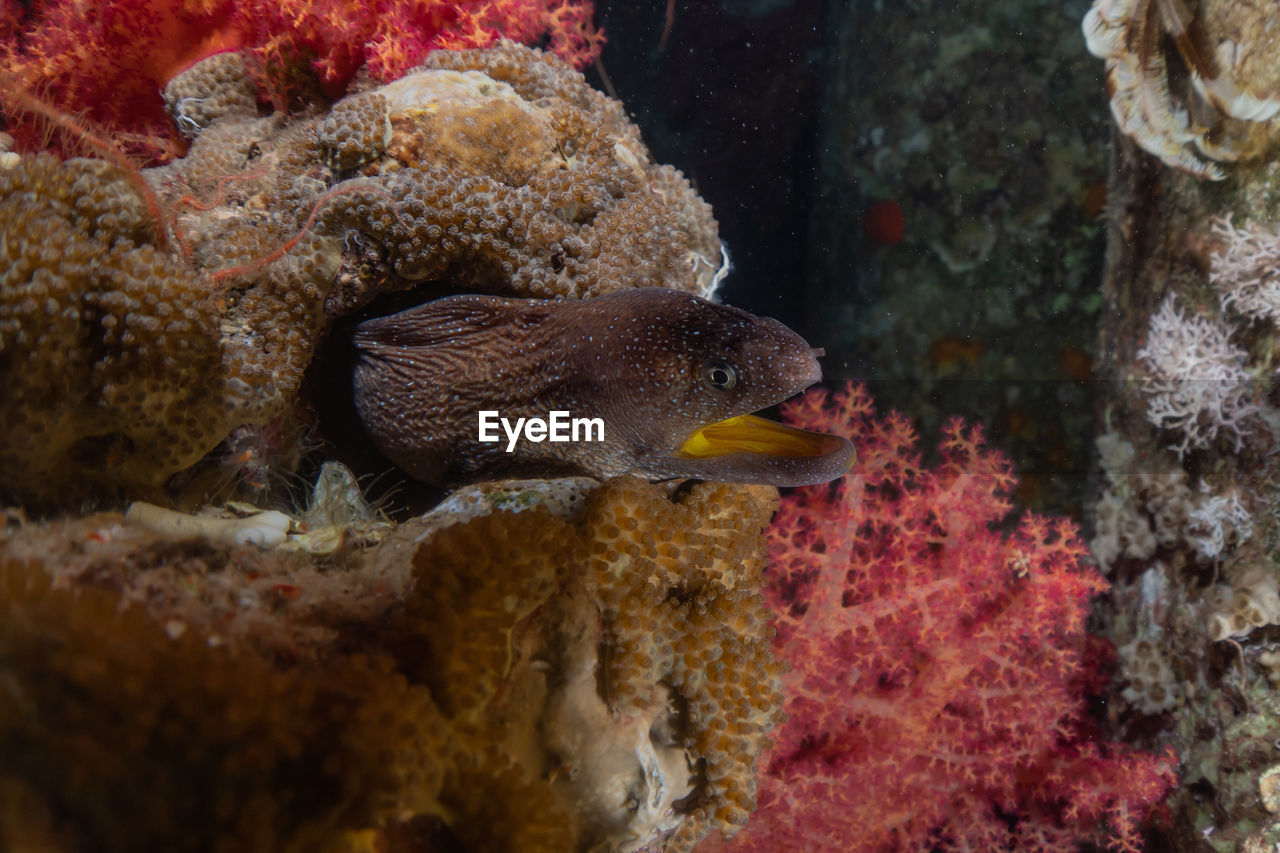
{"x": 1197, "y": 378}
{"x": 1217, "y": 519}
{"x": 1246, "y": 273}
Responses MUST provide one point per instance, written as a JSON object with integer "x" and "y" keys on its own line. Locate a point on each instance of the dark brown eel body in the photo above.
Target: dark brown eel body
{"x": 657, "y": 366}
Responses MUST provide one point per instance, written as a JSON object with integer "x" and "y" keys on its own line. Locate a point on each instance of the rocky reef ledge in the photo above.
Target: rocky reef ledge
{"x": 534, "y": 665}
{"x": 551, "y": 665}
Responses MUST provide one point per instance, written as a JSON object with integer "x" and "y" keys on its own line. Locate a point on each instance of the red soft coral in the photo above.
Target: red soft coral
{"x": 108, "y": 59}
{"x": 939, "y": 665}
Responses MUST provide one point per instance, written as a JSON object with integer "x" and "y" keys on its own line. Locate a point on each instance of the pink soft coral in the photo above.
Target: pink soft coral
{"x": 108, "y": 59}
{"x": 939, "y": 665}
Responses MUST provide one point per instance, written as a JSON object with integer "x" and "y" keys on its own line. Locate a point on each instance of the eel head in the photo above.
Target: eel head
{"x": 683, "y": 376}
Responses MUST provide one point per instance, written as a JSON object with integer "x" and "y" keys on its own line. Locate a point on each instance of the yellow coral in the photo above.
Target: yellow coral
{"x": 680, "y": 588}
{"x": 668, "y": 592}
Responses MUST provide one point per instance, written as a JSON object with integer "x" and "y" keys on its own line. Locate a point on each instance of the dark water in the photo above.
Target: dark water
{"x": 984, "y": 124}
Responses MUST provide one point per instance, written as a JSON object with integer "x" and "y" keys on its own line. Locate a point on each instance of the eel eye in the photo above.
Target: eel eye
{"x": 719, "y": 374}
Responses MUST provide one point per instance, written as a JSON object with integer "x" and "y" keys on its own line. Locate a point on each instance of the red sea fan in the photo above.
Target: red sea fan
{"x": 107, "y": 60}
{"x": 939, "y": 665}
{"x": 394, "y": 35}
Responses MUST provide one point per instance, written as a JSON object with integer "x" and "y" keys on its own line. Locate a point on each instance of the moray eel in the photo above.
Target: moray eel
{"x": 669, "y": 376}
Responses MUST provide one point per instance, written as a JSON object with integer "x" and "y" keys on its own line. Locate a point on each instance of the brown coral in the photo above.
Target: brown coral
{"x": 122, "y": 363}
{"x": 129, "y": 350}
{"x": 695, "y": 623}
{"x": 686, "y": 689}
{"x": 108, "y": 350}
{"x": 498, "y": 170}
{"x": 216, "y": 88}
{"x": 504, "y": 701}
{"x": 137, "y": 741}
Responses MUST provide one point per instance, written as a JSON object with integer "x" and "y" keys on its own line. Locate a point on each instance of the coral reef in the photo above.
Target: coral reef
{"x": 939, "y": 665}
{"x": 497, "y": 170}
{"x": 1246, "y": 270}
{"x": 539, "y": 666}
{"x": 1251, "y": 601}
{"x": 1197, "y": 672}
{"x": 120, "y": 368}
{"x": 109, "y": 346}
{"x": 1151, "y": 685}
{"x": 572, "y": 665}
{"x": 1230, "y": 50}
{"x": 1198, "y": 382}
{"x": 1142, "y": 507}
{"x": 1189, "y": 538}
{"x": 133, "y": 739}
{"x": 686, "y": 661}
{"x": 1149, "y": 506}
{"x": 106, "y": 60}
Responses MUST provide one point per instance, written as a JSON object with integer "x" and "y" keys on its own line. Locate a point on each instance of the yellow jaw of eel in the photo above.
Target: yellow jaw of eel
{"x": 812, "y": 457}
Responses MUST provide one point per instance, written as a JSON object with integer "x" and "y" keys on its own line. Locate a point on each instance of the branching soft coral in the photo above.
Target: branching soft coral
{"x": 939, "y": 665}
{"x": 106, "y": 59}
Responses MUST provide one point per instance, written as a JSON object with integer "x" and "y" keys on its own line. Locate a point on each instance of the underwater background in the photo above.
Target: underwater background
{"x": 1004, "y": 580}
{"x": 802, "y": 123}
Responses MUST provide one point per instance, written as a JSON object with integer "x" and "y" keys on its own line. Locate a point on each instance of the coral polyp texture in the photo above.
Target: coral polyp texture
{"x": 1197, "y": 384}
{"x": 109, "y": 349}
{"x": 687, "y": 683}
{"x": 143, "y": 321}
{"x": 1230, "y": 52}
{"x": 1246, "y": 269}
{"x": 940, "y": 665}
{"x": 129, "y": 738}
{"x": 572, "y": 666}
{"x": 106, "y": 60}
{"x": 1151, "y": 506}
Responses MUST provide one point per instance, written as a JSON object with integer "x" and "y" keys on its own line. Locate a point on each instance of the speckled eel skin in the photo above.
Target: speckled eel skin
{"x": 671, "y": 378}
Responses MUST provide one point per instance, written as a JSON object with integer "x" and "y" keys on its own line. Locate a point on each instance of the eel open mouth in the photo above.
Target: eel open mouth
{"x": 745, "y": 447}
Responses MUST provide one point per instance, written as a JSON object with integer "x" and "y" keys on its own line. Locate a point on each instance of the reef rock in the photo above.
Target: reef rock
{"x": 539, "y": 666}
{"x": 145, "y": 318}
{"x": 1184, "y": 511}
